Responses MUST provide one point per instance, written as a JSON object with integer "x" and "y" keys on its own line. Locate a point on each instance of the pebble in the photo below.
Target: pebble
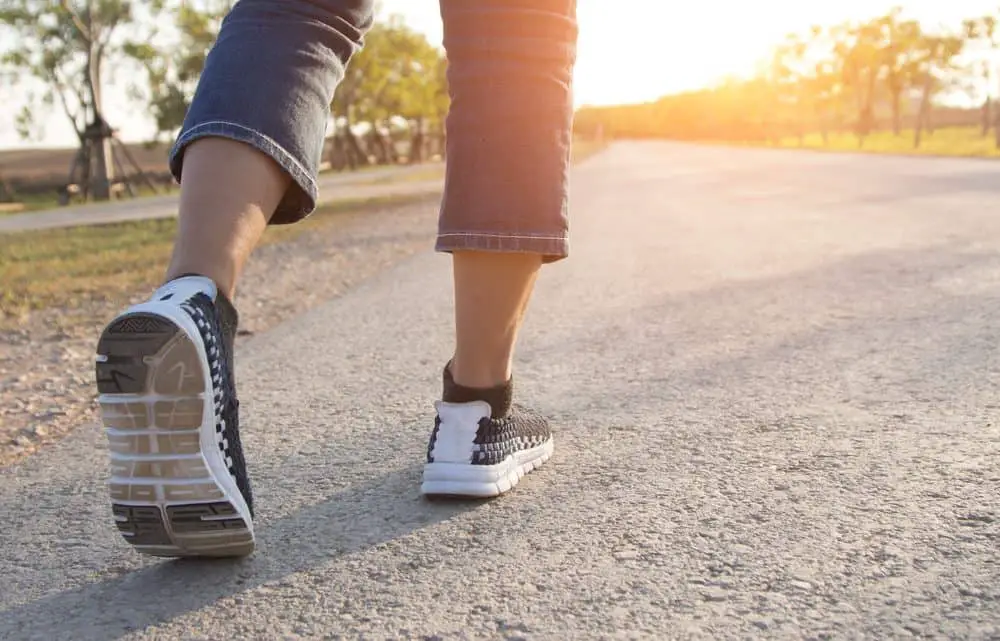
{"x": 716, "y": 595}
{"x": 60, "y": 383}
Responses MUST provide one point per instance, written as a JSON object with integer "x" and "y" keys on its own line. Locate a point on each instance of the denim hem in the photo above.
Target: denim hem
{"x": 297, "y": 203}
{"x": 552, "y": 248}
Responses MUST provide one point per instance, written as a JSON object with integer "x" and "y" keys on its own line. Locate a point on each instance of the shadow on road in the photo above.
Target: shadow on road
{"x": 882, "y": 339}
{"x": 302, "y": 541}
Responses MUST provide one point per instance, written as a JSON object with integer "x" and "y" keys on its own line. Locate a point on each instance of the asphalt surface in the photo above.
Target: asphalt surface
{"x": 373, "y": 183}
{"x": 772, "y": 378}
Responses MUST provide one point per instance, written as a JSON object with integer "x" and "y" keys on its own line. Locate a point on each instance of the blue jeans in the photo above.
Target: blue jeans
{"x": 271, "y": 76}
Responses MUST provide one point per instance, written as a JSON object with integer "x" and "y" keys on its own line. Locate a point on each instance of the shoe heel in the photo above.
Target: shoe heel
{"x": 165, "y": 499}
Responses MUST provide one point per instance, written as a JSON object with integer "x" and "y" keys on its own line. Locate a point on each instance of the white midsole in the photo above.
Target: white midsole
{"x": 210, "y": 454}
{"x": 484, "y": 480}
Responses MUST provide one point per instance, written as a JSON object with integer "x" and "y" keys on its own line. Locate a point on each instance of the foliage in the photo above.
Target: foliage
{"x": 173, "y": 73}
{"x": 850, "y": 77}
{"x": 68, "y": 46}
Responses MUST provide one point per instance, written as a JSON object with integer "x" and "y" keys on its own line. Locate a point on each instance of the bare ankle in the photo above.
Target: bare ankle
{"x": 480, "y": 375}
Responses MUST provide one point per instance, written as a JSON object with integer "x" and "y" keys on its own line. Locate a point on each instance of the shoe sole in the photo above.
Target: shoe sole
{"x": 483, "y": 481}
{"x": 171, "y": 492}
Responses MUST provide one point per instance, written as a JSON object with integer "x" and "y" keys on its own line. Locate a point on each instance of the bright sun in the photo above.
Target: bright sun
{"x": 637, "y": 50}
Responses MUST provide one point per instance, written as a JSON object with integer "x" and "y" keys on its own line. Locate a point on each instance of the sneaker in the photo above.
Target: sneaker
{"x": 178, "y": 483}
{"x": 482, "y": 444}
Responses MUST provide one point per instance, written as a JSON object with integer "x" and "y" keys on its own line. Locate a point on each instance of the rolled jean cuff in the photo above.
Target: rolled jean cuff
{"x": 298, "y": 201}
{"x": 509, "y": 125}
{"x": 552, "y": 248}
{"x": 268, "y": 82}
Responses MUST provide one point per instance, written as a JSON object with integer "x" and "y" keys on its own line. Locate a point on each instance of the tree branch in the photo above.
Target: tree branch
{"x": 60, "y": 89}
{"x": 77, "y": 22}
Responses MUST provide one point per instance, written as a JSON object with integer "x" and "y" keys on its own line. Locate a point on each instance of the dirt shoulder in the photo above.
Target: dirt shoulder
{"x": 61, "y": 287}
{"x": 46, "y": 355}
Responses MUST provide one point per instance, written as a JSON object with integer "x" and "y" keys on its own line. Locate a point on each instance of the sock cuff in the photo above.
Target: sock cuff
{"x": 499, "y": 398}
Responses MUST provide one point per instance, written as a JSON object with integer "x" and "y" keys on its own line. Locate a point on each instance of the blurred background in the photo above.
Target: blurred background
{"x": 91, "y": 97}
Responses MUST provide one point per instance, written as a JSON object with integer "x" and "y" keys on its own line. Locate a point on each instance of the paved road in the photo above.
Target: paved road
{"x": 332, "y": 187}
{"x": 773, "y": 378}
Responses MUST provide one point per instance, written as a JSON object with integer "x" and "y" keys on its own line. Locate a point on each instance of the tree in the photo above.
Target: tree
{"x": 787, "y": 74}
{"x": 67, "y": 46}
{"x": 899, "y": 40}
{"x": 397, "y": 75}
{"x": 856, "y": 49}
{"x": 934, "y": 59}
{"x": 172, "y": 75}
{"x": 984, "y": 31}
{"x": 417, "y": 91}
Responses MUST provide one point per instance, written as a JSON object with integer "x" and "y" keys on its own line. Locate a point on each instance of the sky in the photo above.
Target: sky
{"x": 628, "y": 50}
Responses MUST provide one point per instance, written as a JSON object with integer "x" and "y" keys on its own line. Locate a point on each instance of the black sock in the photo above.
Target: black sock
{"x": 499, "y": 397}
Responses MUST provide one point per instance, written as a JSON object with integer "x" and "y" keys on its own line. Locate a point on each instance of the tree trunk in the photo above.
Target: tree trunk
{"x": 337, "y": 156}
{"x": 391, "y": 154}
{"x": 896, "y": 116}
{"x": 987, "y": 115}
{"x": 7, "y": 194}
{"x": 376, "y": 143}
{"x": 866, "y": 111}
{"x": 102, "y": 167}
{"x": 922, "y": 115}
{"x": 355, "y": 154}
{"x": 417, "y": 141}
{"x": 996, "y": 127}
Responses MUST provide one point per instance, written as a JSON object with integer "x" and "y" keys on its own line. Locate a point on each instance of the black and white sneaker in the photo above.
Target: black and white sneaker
{"x": 165, "y": 377}
{"x": 482, "y": 444}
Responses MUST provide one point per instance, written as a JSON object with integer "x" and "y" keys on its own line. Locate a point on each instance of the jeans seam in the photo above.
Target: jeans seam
{"x": 552, "y": 248}
{"x": 293, "y": 166}
{"x": 502, "y": 235}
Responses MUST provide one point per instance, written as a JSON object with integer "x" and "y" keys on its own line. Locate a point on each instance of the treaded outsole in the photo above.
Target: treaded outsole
{"x": 165, "y": 499}
{"x": 464, "y": 480}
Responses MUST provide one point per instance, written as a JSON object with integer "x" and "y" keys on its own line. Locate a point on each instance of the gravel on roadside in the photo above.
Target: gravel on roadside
{"x": 46, "y": 364}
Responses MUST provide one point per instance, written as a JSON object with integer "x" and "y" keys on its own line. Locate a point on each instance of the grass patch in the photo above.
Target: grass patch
{"x": 951, "y": 141}
{"x": 69, "y": 266}
{"x": 64, "y": 266}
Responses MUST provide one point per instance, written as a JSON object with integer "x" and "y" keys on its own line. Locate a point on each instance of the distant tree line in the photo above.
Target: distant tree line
{"x": 888, "y": 72}
{"x": 390, "y": 107}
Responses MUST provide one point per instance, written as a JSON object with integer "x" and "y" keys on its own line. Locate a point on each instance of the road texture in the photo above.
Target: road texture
{"x": 772, "y": 377}
{"x": 374, "y": 183}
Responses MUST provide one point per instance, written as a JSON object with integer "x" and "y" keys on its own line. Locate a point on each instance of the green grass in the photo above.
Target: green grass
{"x": 68, "y": 266}
{"x": 952, "y": 141}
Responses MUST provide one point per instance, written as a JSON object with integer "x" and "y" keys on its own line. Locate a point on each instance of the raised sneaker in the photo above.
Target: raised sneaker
{"x": 167, "y": 392}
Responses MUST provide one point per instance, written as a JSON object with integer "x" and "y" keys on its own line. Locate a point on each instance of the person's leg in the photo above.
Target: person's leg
{"x": 225, "y": 205}
{"x": 247, "y": 155}
{"x": 503, "y": 216}
{"x": 491, "y": 297}
{"x": 267, "y": 85}
{"x": 509, "y": 136}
